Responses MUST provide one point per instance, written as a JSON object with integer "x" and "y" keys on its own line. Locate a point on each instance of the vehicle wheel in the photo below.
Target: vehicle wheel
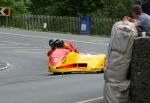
{"x": 98, "y": 71}
{"x": 57, "y": 73}
{"x": 102, "y": 71}
{"x": 67, "y": 73}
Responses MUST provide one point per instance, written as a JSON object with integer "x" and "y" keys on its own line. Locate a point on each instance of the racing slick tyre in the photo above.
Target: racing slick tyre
{"x": 98, "y": 71}
{"x": 102, "y": 71}
{"x": 57, "y": 73}
{"x": 67, "y": 73}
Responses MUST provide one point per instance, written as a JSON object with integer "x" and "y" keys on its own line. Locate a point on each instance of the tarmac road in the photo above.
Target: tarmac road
{"x": 27, "y": 79}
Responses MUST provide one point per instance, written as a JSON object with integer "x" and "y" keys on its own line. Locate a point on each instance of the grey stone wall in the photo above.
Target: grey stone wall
{"x": 140, "y": 71}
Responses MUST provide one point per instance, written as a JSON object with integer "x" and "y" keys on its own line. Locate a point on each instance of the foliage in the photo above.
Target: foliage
{"x": 146, "y": 7}
{"x": 94, "y": 8}
{"x": 17, "y": 6}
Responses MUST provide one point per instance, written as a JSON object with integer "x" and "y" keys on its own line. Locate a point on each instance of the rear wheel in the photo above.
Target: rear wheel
{"x": 57, "y": 73}
{"x": 98, "y": 71}
{"x": 67, "y": 73}
{"x": 102, "y": 71}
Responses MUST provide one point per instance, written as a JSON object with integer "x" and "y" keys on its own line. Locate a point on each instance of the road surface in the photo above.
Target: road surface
{"x": 27, "y": 79}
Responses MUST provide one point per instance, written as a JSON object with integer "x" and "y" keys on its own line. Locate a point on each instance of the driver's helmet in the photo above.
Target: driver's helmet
{"x": 59, "y": 43}
{"x": 51, "y": 43}
{"x": 62, "y": 43}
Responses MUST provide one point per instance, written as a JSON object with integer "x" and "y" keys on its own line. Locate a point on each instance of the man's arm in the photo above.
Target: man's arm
{"x": 136, "y": 23}
{"x": 127, "y": 18}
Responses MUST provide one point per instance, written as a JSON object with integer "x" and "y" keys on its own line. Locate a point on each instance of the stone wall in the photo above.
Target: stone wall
{"x": 140, "y": 71}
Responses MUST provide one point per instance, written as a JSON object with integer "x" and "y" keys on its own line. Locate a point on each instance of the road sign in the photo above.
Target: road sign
{"x": 4, "y": 11}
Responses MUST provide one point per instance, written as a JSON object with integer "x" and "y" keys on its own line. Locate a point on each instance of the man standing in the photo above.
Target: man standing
{"x": 139, "y": 18}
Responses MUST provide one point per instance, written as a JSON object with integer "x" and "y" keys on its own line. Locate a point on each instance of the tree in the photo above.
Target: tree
{"x": 98, "y": 8}
{"x": 17, "y": 6}
{"x": 65, "y": 7}
{"x": 146, "y": 6}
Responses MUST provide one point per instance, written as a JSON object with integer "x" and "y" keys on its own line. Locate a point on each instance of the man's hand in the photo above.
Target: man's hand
{"x": 126, "y": 18}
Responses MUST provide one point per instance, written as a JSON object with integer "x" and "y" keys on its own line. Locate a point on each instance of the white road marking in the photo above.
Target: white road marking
{"x": 7, "y": 44}
{"x": 41, "y": 51}
{"x": 89, "y": 42}
{"x": 14, "y": 47}
{"x": 33, "y": 49}
{"x": 96, "y": 40}
{"x": 16, "y": 43}
{"x": 90, "y": 100}
{"x": 23, "y": 51}
{"x": 2, "y": 83}
{"x": 23, "y": 35}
